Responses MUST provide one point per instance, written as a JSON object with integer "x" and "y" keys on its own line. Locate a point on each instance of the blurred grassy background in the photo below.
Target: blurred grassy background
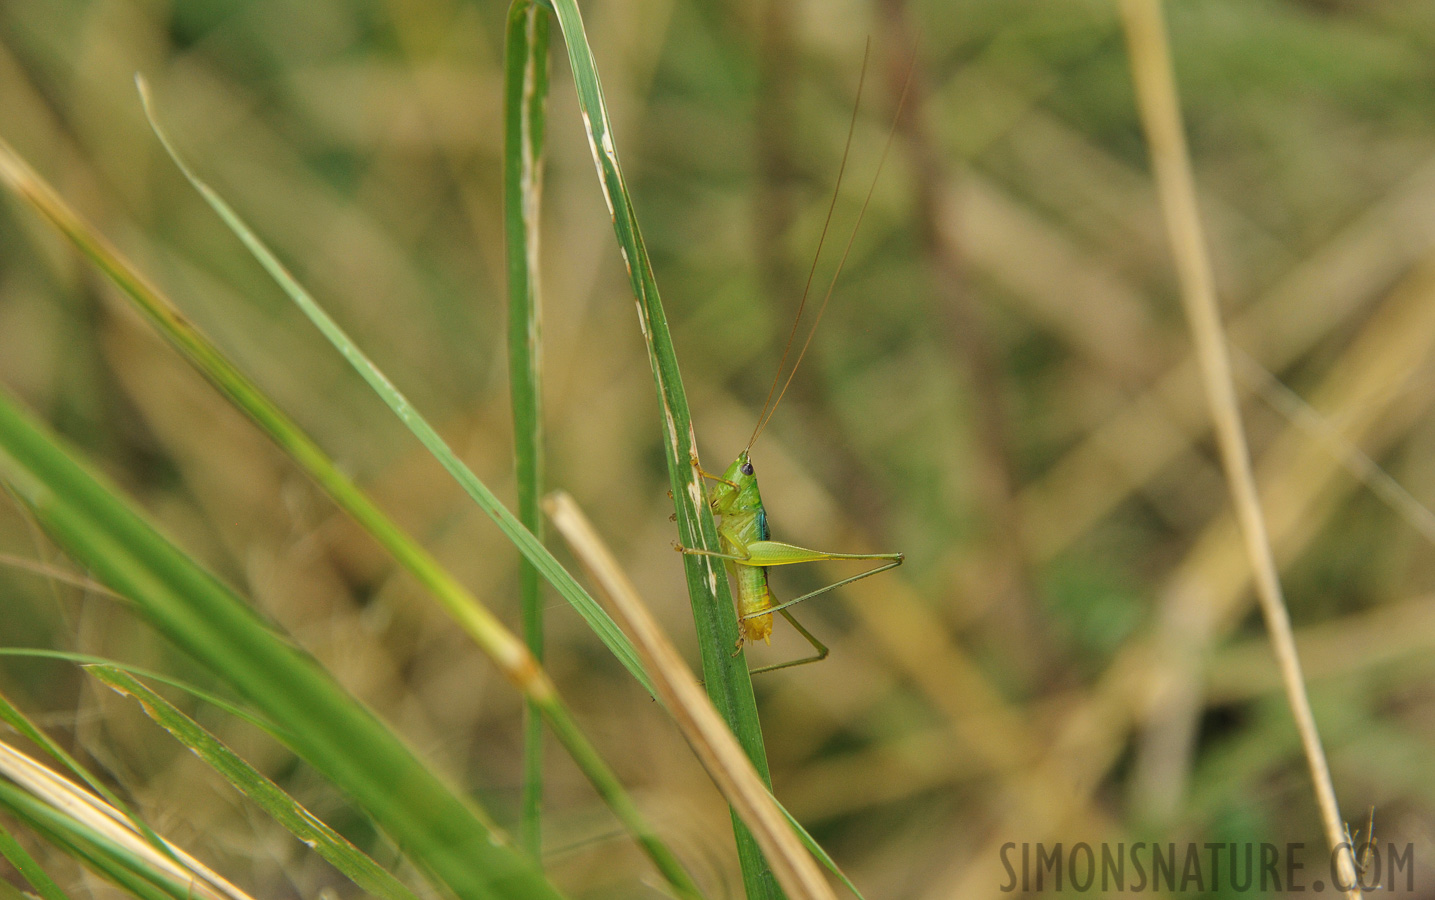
{"x": 1001, "y": 389}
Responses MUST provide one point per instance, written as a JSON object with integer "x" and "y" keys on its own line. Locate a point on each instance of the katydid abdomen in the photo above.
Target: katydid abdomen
{"x": 753, "y": 596}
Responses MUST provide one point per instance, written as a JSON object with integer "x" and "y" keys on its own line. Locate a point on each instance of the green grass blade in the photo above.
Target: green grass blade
{"x": 447, "y": 836}
{"x": 83, "y": 813}
{"x": 268, "y": 727}
{"x": 17, "y": 720}
{"x": 344, "y": 856}
{"x": 501, "y": 645}
{"x": 8, "y": 891}
{"x": 97, "y": 851}
{"x": 242, "y": 391}
{"x": 726, "y": 677}
{"x": 490, "y": 634}
{"x": 524, "y": 97}
{"x": 28, "y": 868}
{"x": 86, "y": 659}
{"x": 820, "y": 854}
{"x": 279, "y": 427}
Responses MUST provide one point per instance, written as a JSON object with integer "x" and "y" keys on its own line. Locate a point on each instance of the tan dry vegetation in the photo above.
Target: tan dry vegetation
{"x": 1003, "y": 389}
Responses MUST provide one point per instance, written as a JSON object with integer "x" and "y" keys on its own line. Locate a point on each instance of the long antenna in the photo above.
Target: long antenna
{"x": 763, "y": 416}
{"x": 770, "y": 405}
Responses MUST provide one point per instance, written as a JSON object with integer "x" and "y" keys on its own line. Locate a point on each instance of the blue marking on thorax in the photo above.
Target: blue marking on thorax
{"x": 762, "y": 533}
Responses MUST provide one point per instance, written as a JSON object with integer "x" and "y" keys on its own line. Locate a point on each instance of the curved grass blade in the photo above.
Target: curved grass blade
{"x": 525, "y": 92}
{"x": 234, "y": 384}
{"x": 512, "y": 656}
{"x": 449, "y": 837}
{"x": 239, "y": 388}
{"x": 285, "y": 810}
{"x": 85, "y": 659}
{"x": 501, "y": 645}
{"x": 289, "y": 813}
{"x": 726, "y": 677}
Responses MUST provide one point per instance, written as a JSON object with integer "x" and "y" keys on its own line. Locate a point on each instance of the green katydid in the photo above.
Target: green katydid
{"x": 746, "y": 542}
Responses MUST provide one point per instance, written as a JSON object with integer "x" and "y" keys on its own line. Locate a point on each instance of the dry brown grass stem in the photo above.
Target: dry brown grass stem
{"x": 1363, "y": 399}
{"x": 691, "y": 709}
{"x": 1157, "y": 428}
{"x": 1160, "y": 115}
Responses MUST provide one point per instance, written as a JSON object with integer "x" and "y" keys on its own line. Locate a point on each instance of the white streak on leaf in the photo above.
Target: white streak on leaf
{"x": 593, "y": 147}
{"x": 642, "y": 319}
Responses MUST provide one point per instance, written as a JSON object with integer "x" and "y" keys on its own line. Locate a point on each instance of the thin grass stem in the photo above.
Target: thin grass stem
{"x": 1160, "y": 111}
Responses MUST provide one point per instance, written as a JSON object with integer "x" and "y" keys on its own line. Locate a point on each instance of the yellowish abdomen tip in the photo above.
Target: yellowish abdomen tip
{"x": 757, "y": 629}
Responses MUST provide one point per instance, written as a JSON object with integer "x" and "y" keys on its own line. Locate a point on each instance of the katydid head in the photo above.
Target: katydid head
{"x": 740, "y": 474}
{"x": 738, "y": 486}
{"x": 774, "y": 395}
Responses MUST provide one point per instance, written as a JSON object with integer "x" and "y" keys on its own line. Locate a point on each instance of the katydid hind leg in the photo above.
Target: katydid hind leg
{"x": 892, "y": 564}
{"x": 818, "y": 646}
{"x": 776, "y": 553}
{"x": 693, "y": 551}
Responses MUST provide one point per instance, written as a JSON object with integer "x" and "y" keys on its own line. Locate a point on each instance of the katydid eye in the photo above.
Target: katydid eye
{"x": 747, "y": 468}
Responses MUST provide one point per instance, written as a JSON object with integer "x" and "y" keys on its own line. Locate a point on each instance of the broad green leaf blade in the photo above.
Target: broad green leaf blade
{"x": 447, "y": 836}
{"x": 304, "y": 825}
{"x": 525, "y": 94}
